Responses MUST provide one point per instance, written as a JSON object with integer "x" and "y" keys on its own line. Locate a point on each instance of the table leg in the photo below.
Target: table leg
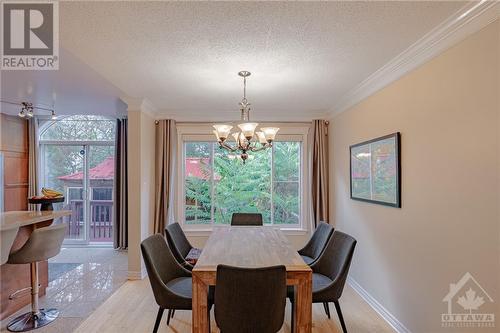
{"x": 303, "y": 305}
{"x": 200, "y": 305}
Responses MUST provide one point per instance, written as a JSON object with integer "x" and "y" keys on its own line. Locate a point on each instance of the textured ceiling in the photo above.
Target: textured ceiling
{"x": 73, "y": 89}
{"x": 184, "y": 56}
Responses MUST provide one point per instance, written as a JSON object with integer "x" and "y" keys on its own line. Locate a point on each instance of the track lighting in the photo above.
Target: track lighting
{"x": 27, "y": 109}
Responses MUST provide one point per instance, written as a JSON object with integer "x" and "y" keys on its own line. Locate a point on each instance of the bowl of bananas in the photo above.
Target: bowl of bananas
{"x": 48, "y": 197}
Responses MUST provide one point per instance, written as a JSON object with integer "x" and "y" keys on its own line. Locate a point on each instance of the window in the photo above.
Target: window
{"x": 102, "y": 193}
{"x": 74, "y": 193}
{"x": 217, "y": 183}
{"x": 79, "y": 128}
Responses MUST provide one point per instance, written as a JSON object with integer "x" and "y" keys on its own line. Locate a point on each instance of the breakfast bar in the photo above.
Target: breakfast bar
{"x": 17, "y": 277}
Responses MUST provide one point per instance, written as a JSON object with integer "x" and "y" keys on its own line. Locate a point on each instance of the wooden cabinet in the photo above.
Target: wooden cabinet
{"x": 14, "y": 146}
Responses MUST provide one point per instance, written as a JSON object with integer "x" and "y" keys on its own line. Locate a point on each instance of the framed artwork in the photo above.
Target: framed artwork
{"x": 375, "y": 168}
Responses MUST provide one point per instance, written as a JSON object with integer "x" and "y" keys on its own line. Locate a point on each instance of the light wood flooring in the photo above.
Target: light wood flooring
{"x": 132, "y": 309}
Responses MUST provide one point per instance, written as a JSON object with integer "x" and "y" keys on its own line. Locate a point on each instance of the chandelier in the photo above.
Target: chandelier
{"x": 248, "y": 139}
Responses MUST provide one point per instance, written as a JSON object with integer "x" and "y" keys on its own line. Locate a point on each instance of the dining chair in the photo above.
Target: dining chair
{"x": 330, "y": 273}
{"x": 184, "y": 252}
{"x": 246, "y": 219}
{"x": 171, "y": 283}
{"x": 249, "y": 300}
{"x": 316, "y": 245}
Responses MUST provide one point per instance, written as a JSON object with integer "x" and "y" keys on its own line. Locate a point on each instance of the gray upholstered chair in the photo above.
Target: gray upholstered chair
{"x": 246, "y": 219}
{"x": 180, "y": 246}
{"x": 171, "y": 283}
{"x": 8, "y": 237}
{"x": 43, "y": 243}
{"x": 330, "y": 273}
{"x": 316, "y": 245}
{"x": 249, "y": 300}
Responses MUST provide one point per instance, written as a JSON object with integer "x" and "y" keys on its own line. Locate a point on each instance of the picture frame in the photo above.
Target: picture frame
{"x": 375, "y": 170}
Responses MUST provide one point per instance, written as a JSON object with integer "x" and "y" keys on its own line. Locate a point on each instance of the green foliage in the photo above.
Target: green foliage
{"x": 239, "y": 187}
{"x": 61, "y": 160}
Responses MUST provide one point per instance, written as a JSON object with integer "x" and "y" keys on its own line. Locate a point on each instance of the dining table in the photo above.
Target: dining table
{"x": 251, "y": 246}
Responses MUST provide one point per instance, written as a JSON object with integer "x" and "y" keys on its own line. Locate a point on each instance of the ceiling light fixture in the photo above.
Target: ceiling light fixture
{"x": 246, "y": 140}
{"x": 27, "y": 109}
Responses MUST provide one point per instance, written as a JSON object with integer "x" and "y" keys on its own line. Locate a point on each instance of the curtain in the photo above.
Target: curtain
{"x": 120, "y": 238}
{"x": 33, "y": 160}
{"x": 164, "y": 173}
{"x": 320, "y": 170}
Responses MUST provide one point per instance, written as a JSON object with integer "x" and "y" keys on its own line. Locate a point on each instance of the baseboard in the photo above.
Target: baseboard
{"x": 386, "y": 315}
{"x": 136, "y": 275}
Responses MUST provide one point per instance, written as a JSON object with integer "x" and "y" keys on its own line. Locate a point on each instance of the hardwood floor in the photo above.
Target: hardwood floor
{"x": 132, "y": 309}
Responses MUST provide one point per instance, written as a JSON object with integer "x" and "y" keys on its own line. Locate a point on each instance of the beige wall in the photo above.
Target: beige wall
{"x": 141, "y": 162}
{"x": 448, "y": 114}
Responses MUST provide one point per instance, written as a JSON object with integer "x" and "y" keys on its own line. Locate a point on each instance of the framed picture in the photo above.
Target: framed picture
{"x": 376, "y": 170}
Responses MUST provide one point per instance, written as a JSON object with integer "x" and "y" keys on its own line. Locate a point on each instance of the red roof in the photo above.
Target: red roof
{"x": 194, "y": 167}
{"x": 103, "y": 171}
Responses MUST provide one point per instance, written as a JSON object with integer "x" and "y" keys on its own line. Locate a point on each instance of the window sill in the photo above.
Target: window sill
{"x": 206, "y": 231}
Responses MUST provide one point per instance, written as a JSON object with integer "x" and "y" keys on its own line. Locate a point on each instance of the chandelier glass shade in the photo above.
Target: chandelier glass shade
{"x": 248, "y": 138}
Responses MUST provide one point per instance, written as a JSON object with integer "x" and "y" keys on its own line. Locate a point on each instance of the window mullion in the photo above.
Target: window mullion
{"x": 272, "y": 185}
{"x": 212, "y": 187}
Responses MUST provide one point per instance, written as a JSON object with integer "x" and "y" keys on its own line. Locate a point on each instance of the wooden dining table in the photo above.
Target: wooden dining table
{"x": 246, "y": 246}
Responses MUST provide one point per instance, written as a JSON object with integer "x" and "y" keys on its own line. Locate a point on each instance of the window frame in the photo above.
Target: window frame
{"x": 92, "y": 188}
{"x": 189, "y": 132}
{"x": 68, "y": 188}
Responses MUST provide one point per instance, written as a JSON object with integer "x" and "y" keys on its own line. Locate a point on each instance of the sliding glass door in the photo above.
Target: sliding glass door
{"x": 63, "y": 169}
{"x": 77, "y": 158}
{"x": 85, "y": 176}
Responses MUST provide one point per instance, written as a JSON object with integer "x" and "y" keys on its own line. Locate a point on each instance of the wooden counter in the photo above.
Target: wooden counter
{"x": 17, "y": 219}
{"x": 14, "y": 277}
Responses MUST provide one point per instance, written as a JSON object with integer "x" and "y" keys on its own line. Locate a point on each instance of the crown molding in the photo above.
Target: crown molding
{"x": 195, "y": 115}
{"x": 140, "y": 105}
{"x": 468, "y": 20}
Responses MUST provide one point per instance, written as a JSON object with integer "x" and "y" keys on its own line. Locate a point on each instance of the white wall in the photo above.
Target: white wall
{"x": 448, "y": 114}
{"x": 141, "y": 162}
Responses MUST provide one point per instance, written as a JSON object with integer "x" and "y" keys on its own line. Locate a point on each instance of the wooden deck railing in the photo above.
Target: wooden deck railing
{"x": 101, "y": 220}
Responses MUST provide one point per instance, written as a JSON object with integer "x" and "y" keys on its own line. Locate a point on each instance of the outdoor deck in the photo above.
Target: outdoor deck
{"x": 101, "y": 220}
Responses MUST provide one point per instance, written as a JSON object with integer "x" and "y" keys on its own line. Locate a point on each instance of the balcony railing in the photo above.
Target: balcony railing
{"x": 101, "y": 220}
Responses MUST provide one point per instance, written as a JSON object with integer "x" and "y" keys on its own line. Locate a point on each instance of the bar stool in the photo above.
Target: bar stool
{"x": 8, "y": 237}
{"x": 44, "y": 243}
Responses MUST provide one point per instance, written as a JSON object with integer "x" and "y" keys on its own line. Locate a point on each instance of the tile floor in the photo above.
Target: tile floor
{"x": 78, "y": 292}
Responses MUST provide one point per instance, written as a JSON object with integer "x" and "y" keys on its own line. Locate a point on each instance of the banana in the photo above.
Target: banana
{"x": 50, "y": 193}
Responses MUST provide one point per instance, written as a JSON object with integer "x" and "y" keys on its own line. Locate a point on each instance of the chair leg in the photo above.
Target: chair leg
{"x": 292, "y": 325}
{"x": 327, "y": 309}
{"x": 339, "y": 313}
{"x": 158, "y": 320}
{"x": 173, "y": 311}
{"x": 169, "y": 315}
{"x": 208, "y": 316}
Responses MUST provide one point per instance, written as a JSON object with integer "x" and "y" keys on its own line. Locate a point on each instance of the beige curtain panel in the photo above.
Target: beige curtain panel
{"x": 320, "y": 170}
{"x": 164, "y": 170}
{"x": 32, "y": 160}
{"x": 121, "y": 186}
